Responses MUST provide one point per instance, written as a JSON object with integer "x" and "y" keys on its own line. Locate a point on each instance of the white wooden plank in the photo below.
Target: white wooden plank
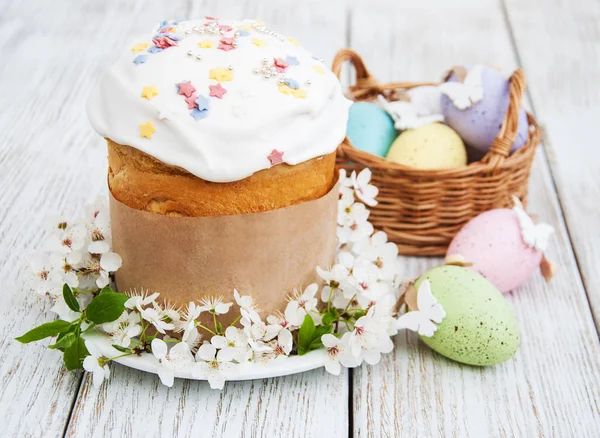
{"x": 289, "y": 406}
{"x": 560, "y": 49}
{"x": 551, "y": 387}
{"x": 50, "y": 160}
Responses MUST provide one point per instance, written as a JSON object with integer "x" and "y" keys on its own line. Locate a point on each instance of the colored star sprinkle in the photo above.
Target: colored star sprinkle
{"x": 293, "y": 84}
{"x": 243, "y": 27}
{"x": 140, "y": 59}
{"x": 206, "y": 44}
{"x": 164, "y": 42}
{"x": 319, "y": 69}
{"x": 221, "y": 74}
{"x": 226, "y": 44}
{"x": 153, "y": 49}
{"x": 217, "y": 91}
{"x": 147, "y": 129}
{"x": 288, "y": 91}
{"x": 202, "y": 103}
{"x": 199, "y": 114}
{"x": 186, "y": 88}
{"x": 292, "y": 60}
{"x": 280, "y": 65}
{"x": 149, "y": 91}
{"x": 191, "y": 101}
{"x": 275, "y": 157}
{"x": 258, "y": 42}
{"x": 242, "y": 33}
{"x": 294, "y": 41}
{"x": 139, "y": 47}
{"x": 225, "y": 28}
{"x": 259, "y": 22}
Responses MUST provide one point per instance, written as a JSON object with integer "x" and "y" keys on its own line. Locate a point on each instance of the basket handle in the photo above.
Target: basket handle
{"x": 367, "y": 86}
{"x": 502, "y": 144}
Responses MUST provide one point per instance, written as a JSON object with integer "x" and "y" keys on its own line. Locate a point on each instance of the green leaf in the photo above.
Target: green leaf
{"x": 74, "y": 355}
{"x": 305, "y": 334}
{"x": 45, "y": 330}
{"x": 63, "y": 341}
{"x": 122, "y": 349}
{"x": 70, "y": 298}
{"x": 106, "y": 307}
{"x": 105, "y": 289}
{"x": 316, "y": 340}
{"x": 331, "y": 316}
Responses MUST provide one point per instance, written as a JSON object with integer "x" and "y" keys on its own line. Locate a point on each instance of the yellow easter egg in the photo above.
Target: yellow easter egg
{"x": 433, "y": 146}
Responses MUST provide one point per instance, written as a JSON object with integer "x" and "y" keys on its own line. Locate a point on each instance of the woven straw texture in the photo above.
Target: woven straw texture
{"x": 422, "y": 210}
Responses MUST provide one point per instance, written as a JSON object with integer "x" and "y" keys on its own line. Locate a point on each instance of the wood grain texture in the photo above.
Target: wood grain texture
{"x": 560, "y": 50}
{"x": 551, "y": 387}
{"x": 289, "y": 406}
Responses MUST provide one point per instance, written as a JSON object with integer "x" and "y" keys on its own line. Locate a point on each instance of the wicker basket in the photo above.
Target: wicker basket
{"x": 422, "y": 210}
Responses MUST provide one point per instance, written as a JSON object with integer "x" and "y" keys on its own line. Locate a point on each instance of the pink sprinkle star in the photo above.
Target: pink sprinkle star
{"x": 280, "y": 65}
{"x": 225, "y": 28}
{"x": 186, "y": 88}
{"x": 217, "y": 91}
{"x": 191, "y": 101}
{"x": 227, "y": 40}
{"x": 225, "y": 47}
{"x": 208, "y": 17}
{"x": 164, "y": 42}
{"x": 275, "y": 157}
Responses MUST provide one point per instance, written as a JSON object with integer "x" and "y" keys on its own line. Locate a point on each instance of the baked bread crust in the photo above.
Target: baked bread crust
{"x": 142, "y": 182}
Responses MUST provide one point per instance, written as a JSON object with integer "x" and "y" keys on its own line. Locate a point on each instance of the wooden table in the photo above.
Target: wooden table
{"x": 52, "y": 53}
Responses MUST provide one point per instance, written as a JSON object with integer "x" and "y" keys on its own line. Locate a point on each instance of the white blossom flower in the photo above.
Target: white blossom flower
{"x": 338, "y": 282}
{"x": 68, "y": 240}
{"x": 284, "y": 343}
{"x": 96, "y": 364}
{"x": 346, "y": 187}
{"x": 248, "y": 309}
{"x": 301, "y": 304}
{"x": 380, "y": 252}
{"x": 44, "y": 278}
{"x": 363, "y": 190}
{"x": 192, "y": 337}
{"x": 350, "y": 212}
{"x": 66, "y": 269}
{"x": 177, "y": 358}
{"x": 192, "y": 312}
{"x": 98, "y": 226}
{"x": 355, "y": 226}
{"x": 140, "y": 301}
{"x": 121, "y": 331}
{"x": 109, "y": 262}
{"x": 366, "y": 279}
{"x": 338, "y": 352}
{"x": 368, "y": 340}
{"x": 215, "y": 305}
{"x": 155, "y": 317}
{"x": 382, "y": 311}
{"x": 212, "y": 365}
{"x": 234, "y": 344}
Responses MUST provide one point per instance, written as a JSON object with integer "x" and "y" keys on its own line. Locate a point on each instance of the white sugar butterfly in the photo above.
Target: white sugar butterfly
{"x": 429, "y": 312}
{"x": 466, "y": 93}
{"x": 422, "y": 109}
{"x": 534, "y": 235}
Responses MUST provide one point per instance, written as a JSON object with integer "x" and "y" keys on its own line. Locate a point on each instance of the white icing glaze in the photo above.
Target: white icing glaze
{"x": 240, "y": 130}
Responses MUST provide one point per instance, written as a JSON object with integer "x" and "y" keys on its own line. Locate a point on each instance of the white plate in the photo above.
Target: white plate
{"x": 247, "y": 371}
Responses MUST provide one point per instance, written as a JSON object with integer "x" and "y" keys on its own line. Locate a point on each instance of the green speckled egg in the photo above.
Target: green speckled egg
{"x": 480, "y": 327}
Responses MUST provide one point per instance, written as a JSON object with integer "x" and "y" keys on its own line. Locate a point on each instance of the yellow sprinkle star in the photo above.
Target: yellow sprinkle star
{"x": 139, "y": 47}
{"x": 258, "y": 42}
{"x": 243, "y": 27}
{"x": 293, "y": 41}
{"x": 288, "y": 91}
{"x": 221, "y": 74}
{"x": 149, "y": 91}
{"x": 147, "y": 129}
{"x": 259, "y": 22}
{"x": 319, "y": 69}
{"x": 206, "y": 44}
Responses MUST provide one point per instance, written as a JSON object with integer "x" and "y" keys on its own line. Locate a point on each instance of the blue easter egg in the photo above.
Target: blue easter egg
{"x": 370, "y": 128}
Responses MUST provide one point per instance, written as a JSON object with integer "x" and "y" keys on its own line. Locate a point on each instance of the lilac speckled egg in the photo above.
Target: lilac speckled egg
{"x": 479, "y": 124}
{"x": 492, "y": 242}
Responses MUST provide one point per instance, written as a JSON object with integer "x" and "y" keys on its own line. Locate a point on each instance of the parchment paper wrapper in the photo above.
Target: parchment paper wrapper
{"x": 265, "y": 255}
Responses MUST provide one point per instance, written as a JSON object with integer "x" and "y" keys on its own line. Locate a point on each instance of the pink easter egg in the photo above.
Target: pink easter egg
{"x": 492, "y": 242}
